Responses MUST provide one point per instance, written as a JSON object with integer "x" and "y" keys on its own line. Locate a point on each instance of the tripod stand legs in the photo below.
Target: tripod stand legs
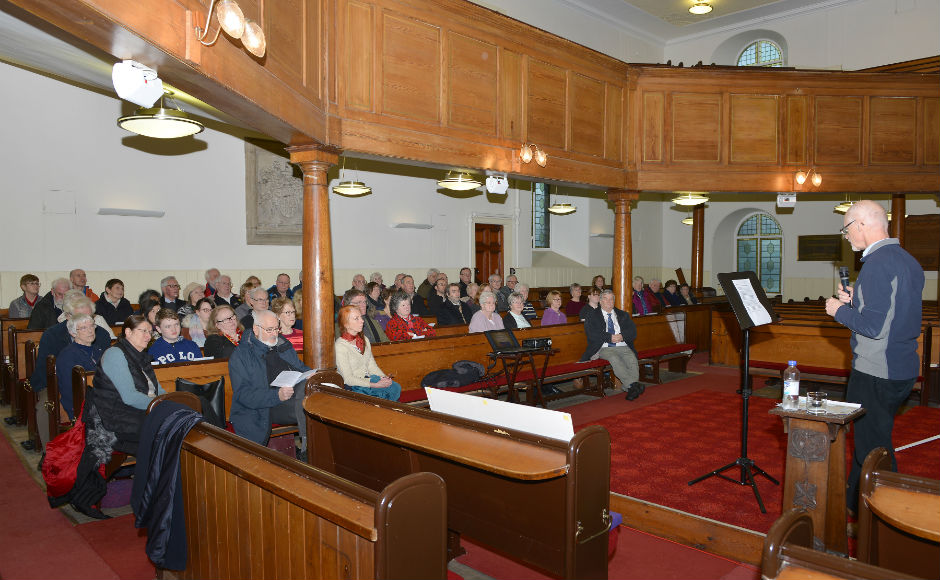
{"x": 748, "y": 470}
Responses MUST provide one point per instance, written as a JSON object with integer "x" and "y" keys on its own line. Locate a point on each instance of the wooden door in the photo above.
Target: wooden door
{"x": 489, "y": 251}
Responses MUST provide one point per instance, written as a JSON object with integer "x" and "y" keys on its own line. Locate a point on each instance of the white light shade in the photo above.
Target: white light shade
{"x": 689, "y": 198}
{"x": 459, "y": 182}
{"x": 562, "y": 209}
{"x": 816, "y": 179}
{"x": 688, "y": 221}
{"x": 843, "y": 207}
{"x": 351, "y": 188}
{"x": 700, "y": 7}
{"x": 525, "y": 154}
{"x": 801, "y": 177}
{"x": 231, "y": 18}
{"x": 253, "y": 39}
{"x": 160, "y": 123}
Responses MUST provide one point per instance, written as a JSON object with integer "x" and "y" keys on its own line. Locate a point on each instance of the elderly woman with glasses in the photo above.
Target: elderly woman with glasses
{"x": 486, "y": 318}
{"x": 223, "y": 332}
{"x": 404, "y": 325}
{"x": 286, "y": 319}
{"x": 514, "y": 318}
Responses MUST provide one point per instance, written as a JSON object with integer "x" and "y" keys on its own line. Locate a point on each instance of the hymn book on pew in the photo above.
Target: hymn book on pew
{"x": 291, "y": 378}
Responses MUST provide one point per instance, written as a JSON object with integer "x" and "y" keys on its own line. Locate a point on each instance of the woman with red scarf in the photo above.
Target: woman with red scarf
{"x": 404, "y": 325}
{"x": 222, "y": 333}
{"x": 355, "y": 362}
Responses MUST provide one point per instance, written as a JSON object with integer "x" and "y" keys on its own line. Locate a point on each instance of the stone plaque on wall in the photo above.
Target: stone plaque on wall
{"x": 273, "y": 195}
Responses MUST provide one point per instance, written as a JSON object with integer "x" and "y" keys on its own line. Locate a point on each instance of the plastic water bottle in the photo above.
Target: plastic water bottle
{"x": 791, "y": 386}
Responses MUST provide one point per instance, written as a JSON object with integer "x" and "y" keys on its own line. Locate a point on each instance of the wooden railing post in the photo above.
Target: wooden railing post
{"x": 317, "y": 261}
{"x": 623, "y": 246}
{"x": 898, "y": 208}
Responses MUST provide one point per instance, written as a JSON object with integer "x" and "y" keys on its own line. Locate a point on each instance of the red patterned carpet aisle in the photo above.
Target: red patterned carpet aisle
{"x": 656, "y": 450}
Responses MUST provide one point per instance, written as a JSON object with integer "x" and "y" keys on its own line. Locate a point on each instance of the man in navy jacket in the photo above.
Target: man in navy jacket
{"x": 610, "y": 335}
{"x": 883, "y": 311}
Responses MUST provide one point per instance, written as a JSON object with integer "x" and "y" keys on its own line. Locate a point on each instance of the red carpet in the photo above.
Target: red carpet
{"x": 121, "y": 545}
{"x": 658, "y": 449}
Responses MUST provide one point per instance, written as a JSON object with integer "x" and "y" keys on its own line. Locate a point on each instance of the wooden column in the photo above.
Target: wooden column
{"x": 698, "y": 244}
{"x": 623, "y": 247}
{"x": 896, "y": 226}
{"x": 317, "y": 260}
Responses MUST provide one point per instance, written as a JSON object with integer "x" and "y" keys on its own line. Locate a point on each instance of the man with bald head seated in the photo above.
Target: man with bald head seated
{"x": 79, "y": 281}
{"x": 48, "y": 309}
{"x": 258, "y": 359}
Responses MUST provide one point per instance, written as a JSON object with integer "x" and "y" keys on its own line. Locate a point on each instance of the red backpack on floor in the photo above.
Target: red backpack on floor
{"x": 60, "y": 464}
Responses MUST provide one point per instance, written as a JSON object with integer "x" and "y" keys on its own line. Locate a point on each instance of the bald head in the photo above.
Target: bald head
{"x": 870, "y": 213}
{"x": 266, "y": 327}
{"x": 864, "y": 224}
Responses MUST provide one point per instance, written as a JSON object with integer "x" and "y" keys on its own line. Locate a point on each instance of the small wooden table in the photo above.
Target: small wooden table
{"x": 512, "y": 362}
{"x": 815, "y": 472}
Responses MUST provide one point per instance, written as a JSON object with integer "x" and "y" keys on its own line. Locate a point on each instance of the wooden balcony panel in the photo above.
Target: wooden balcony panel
{"x": 411, "y": 69}
{"x": 472, "y": 67}
{"x": 893, "y": 134}
{"x": 754, "y": 131}
{"x": 838, "y": 130}
{"x": 931, "y": 131}
{"x": 696, "y": 127}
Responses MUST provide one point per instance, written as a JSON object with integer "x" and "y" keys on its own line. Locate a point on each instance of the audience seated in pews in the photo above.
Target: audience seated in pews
{"x": 593, "y": 303}
{"x": 192, "y": 293}
{"x": 466, "y": 276}
{"x": 258, "y": 301}
{"x": 212, "y": 282}
{"x": 281, "y": 288}
{"x": 124, "y": 385}
{"x": 170, "y": 287}
{"x": 223, "y": 292}
{"x": 371, "y": 328}
{"x": 598, "y": 282}
{"x": 354, "y": 359}
{"x": 427, "y": 286}
{"x": 79, "y": 280}
{"x": 486, "y": 318}
{"x": 437, "y": 298}
{"x": 396, "y": 285}
{"x": 514, "y": 318}
{"x": 404, "y": 325}
{"x": 53, "y": 342}
{"x": 223, "y": 332}
{"x": 374, "y": 296}
{"x": 610, "y": 334}
{"x": 574, "y": 306}
{"x": 376, "y": 277}
{"x": 22, "y": 306}
{"x": 171, "y": 347}
{"x": 383, "y": 315}
{"x": 553, "y": 314}
{"x": 685, "y": 293}
{"x": 258, "y": 359}
{"x": 47, "y": 310}
{"x": 359, "y": 283}
{"x": 244, "y": 306}
{"x": 656, "y": 289}
{"x": 453, "y": 310}
{"x": 286, "y": 318}
{"x": 112, "y": 306}
{"x": 503, "y": 292}
{"x": 148, "y": 294}
{"x": 671, "y": 292}
{"x": 528, "y": 309}
{"x": 72, "y": 295}
{"x": 418, "y": 305}
{"x": 643, "y": 300}
{"x": 83, "y": 352}
{"x": 473, "y": 292}
{"x": 198, "y": 321}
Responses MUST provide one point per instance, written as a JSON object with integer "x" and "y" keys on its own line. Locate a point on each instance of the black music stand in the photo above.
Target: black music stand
{"x": 753, "y": 304}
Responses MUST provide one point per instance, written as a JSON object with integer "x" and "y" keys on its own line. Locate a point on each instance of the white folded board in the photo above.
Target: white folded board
{"x": 535, "y": 420}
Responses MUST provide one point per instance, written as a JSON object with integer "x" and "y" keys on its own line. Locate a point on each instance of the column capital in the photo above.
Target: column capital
{"x": 301, "y": 154}
{"x": 621, "y": 196}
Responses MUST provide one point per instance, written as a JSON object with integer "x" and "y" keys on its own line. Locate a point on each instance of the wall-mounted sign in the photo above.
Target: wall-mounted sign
{"x": 825, "y": 248}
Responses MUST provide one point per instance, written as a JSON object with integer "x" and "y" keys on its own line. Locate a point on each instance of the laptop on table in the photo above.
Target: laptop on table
{"x": 504, "y": 342}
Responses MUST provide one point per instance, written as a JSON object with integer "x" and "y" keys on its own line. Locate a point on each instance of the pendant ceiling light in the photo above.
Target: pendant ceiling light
{"x": 349, "y": 187}
{"x": 562, "y": 208}
{"x": 689, "y": 198}
{"x": 459, "y": 182}
{"x": 844, "y": 206}
{"x": 160, "y": 122}
{"x": 700, "y": 7}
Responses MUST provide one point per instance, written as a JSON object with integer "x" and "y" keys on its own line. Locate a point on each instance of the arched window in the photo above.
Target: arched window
{"x": 761, "y": 53}
{"x": 760, "y": 249}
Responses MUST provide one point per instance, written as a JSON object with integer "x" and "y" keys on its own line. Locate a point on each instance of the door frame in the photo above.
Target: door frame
{"x": 510, "y": 241}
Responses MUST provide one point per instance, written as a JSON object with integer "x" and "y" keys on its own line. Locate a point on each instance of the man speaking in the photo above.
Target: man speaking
{"x": 883, "y": 311}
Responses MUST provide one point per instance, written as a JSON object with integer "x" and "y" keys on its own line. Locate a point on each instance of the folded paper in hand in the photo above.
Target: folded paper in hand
{"x": 291, "y": 378}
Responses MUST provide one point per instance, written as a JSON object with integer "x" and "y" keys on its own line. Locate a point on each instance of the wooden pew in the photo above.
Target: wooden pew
{"x": 30, "y": 398}
{"x": 58, "y": 419}
{"x": 789, "y": 555}
{"x": 410, "y": 361}
{"x": 21, "y": 393}
{"x": 6, "y": 387}
{"x": 542, "y": 501}
{"x": 898, "y": 519}
{"x": 253, "y": 513}
{"x": 655, "y": 344}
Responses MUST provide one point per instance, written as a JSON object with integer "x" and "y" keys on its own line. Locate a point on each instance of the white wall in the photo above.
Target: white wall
{"x": 842, "y": 35}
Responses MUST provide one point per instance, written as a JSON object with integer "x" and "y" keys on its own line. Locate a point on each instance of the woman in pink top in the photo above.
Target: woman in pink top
{"x": 553, "y": 314}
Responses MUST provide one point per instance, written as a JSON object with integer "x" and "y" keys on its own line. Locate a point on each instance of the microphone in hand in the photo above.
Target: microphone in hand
{"x": 844, "y": 277}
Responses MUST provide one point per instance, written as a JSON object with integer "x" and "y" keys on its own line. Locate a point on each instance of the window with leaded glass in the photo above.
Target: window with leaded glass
{"x": 540, "y": 221}
{"x": 761, "y": 53}
{"x": 760, "y": 249}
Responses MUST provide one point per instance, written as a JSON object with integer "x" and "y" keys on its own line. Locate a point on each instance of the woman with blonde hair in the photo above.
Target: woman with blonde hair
{"x": 355, "y": 362}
